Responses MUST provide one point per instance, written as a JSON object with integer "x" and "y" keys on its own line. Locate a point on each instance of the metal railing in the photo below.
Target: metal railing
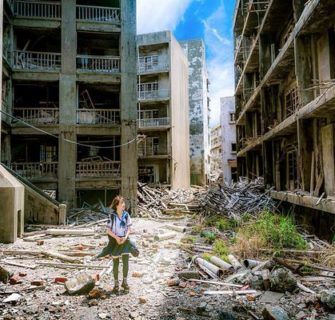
{"x": 151, "y": 63}
{"x": 105, "y": 64}
{"x": 38, "y": 115}
{"x": 98, "y": 116}
{"x": 153, "y": 94}
{"x": 37, "y": 9}
{"x": 98, "y": 14}
{"x": 98, "y": 169}
{"x": 32, "y": 60}
{"x": 154, "y": 122}
{"x": 32, "y": 170}
{"x": 151, "y": 150}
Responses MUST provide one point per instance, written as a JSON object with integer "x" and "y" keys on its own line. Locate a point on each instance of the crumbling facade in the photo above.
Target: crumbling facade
{"x": 70, "y": 97}
{"x": 285, "y": 96}
{"x": 199, "y": 103}
{"x": 163, "y": 153}
{"x": 228, "y": 131}
{"x": 216, "y": 164}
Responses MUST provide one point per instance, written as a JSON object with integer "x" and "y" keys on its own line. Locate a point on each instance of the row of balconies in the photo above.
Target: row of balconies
{"x": 85, "y": 169}
{"x": 52, "y": 10}
{"x": 51, "y": 61}
{"x": 45, "y": 170}
{"x": 49, "y": 116}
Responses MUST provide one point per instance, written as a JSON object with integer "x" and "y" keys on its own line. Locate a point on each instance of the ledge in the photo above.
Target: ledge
{"x": 325, "y": 205}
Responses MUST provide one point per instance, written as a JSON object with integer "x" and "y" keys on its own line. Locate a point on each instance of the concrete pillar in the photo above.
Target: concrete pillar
{"x": 128, "y": 100}
{"x": 304, "y": 67}
{"x": 67, "y": 155}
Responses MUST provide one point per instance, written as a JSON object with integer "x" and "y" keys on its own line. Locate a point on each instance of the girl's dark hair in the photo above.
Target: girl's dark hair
{"x": 116, "y": 202}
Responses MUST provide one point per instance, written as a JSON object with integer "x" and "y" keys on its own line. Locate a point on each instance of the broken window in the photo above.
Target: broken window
{"x": 232, "y": 116}
{"x": 233, "y": 148}
{"x": 146, "y": 174}
{"x": 292, "y": 101}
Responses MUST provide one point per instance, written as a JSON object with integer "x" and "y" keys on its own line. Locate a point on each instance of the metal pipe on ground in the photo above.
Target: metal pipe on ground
{"x": 235, "y": 263}
{"x": 211, "y": 267}
{"x": 222, "y": 264}
{"x": 249, "y": 263}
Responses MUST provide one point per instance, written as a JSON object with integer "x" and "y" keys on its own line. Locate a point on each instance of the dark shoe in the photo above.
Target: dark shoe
{"x": 124, "y": 285}
{"x": 135, "y": 252}
{"x": 116, "y": 288}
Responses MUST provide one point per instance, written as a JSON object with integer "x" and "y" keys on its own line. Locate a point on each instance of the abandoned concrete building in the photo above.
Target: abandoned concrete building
{"x": 69, "y": 97}
{"x": 216, "y": 152}
{"x": 285, "y": 97}
{"x": 199, "y": 109}
{"x": 228, "y": 132}
{"x": 163, "y": 155}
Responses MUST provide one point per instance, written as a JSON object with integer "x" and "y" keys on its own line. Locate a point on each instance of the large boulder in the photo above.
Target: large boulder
{"x": 282, "y": 280}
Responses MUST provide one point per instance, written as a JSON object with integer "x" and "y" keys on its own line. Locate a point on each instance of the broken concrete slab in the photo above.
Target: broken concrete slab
{"x": 327, "y": 297}
{"x": 81, "y": 284}
{"x": 271, "y": 297}
{"x": 282, "y": 280}
{"x": 274, "y": 313}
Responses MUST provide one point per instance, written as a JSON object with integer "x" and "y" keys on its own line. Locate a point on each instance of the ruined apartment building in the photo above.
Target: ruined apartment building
{"x": 163, "y": 154}
{"x": 216, "y": 153}
{"x": 228, "y": 133}
{"x": 198, "y": 111}
{"x": 69, "y": 81}
{"x": 285, "y": 98}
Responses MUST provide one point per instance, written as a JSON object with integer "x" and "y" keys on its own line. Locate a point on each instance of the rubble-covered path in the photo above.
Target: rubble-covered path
{"x": 150, "y": 295}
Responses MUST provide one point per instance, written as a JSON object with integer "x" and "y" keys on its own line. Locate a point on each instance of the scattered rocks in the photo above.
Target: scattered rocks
{"x": 15, "y": 279}
{"x": 37, "y": 283}
{"x": 173, "y": 282}
{"x": 283, "y": 280}
{"x": 142, "y": 300}
{"x": 4, "y": 275}
{"x": 274, "y": 313}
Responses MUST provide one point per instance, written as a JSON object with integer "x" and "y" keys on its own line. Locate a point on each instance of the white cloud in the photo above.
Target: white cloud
{"x": 220, "y": 65}
{"x": 153, "y": 15}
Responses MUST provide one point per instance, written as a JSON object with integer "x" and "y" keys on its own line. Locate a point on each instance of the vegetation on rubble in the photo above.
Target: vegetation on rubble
{"x": 209, "y": 236}
{"x": 189, "y": 239}
{"x": 221, "y": 223}
{"x": 220, "y": 249}
{"x": 268, "y": 231}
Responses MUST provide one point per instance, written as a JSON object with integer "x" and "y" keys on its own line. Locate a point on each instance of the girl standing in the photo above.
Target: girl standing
{"x": 119, "y": 245}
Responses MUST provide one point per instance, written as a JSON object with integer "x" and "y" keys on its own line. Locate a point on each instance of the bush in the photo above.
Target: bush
{"x": 209, "y": 236}
{"x": 269, "y": 231}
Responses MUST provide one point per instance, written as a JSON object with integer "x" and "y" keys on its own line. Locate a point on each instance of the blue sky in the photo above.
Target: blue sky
{"x": 210, "y": 20}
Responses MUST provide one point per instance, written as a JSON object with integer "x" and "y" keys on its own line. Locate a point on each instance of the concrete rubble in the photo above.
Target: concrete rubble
{"x": 49, "y": 274}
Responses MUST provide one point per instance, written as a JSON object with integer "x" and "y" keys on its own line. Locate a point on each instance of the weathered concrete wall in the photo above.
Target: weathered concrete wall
{"x": 11, "y": 208}
{"x": 180, "y": 168}
{"x": 40, "y": 210}
{"x": 198, "y": 110}
{"x": 228, "y": 136}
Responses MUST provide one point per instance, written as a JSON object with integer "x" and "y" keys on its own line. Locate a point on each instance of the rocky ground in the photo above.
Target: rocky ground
{"x": 153, "y": 294}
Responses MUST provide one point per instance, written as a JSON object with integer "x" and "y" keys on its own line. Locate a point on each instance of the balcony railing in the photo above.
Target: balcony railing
{"x": 98, "y": 14}
{"x": 98, "y": 169}
{"x": 154, "y": 122}
{"x": 153, "y": 94}
{"x": 104, "y": 64}
{"x": 152, "y": 150}
{"x": 37, "y": 9}
{"x": 151, "y": 63}
{"x": 38, "y": 115}
{"x": 36, "y": 60}
{"x": 32, "y": 170}
{"x": 98, "y": 116}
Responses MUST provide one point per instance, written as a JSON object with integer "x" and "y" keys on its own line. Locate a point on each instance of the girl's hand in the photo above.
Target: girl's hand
{"x": 118, "y": 240}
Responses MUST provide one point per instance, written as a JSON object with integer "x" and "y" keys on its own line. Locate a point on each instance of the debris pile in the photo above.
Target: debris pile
{"x": 152, "y": 202}
{"x": 238, "y": 199}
